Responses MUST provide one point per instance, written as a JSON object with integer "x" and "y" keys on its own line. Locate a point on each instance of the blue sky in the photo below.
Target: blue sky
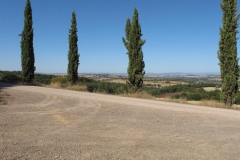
{"x": 181, "y": 35}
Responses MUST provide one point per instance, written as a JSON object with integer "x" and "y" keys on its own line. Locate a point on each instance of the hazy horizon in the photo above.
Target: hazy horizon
{"x": 148, "y": 73}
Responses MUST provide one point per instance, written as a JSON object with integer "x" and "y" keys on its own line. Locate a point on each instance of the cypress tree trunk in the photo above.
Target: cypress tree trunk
{"x": 73, "y": 56}
{"x": 227, "y": 53}
{"x": 133, "y": 44}
{"x": 27, "y": 51}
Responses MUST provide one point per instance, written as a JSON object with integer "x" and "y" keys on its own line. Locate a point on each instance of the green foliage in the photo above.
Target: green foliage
{"x": 43, "y": 79}
{"x": 199, "y": 94}
{"x": 237, "y": 99}
{"x": 84, "y": 80}
{"x": 15, "y": 77}
{"x": 92, "y": 87}
{"x": 107, "y": 87}
{"x": 60, "y": 79}
{"x": 73, "y": 56}
{"x": 27, "y": 51}
{"x": 11, "y": 77}
{"x": 227, "y": 53}
{"x": 178, "y": 88}
{"x": 3, "y": 73}
{"x": 133, "y": 44}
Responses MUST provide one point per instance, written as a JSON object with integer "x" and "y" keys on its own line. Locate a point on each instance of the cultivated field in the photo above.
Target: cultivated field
{"x": 45, "y": 123}
{"x": 211, "y": 89}
{"x": 147, "y": 82}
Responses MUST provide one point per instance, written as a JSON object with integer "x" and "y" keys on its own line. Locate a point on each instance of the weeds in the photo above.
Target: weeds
{"x": 3, "y": 103}
{"x": 212, "y": 103}
{"x": 141, "y": 94}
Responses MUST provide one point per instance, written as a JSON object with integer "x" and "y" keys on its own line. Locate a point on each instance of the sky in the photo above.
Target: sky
{"x": 181, "y": 35}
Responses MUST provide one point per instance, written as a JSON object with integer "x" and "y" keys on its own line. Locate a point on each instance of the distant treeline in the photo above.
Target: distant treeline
{"x": 193, "y": 91}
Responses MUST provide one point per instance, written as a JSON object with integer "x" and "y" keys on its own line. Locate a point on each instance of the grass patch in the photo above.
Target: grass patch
{"x": 3, "y": 103}
{"x": 212, "y": 103}
{"x": 141, "y": 94}
{"x": 4, "y": 98}
{"x": 183, "y": 101}
{"x": 82, "y": 88}
{"x": 209, "y": 89}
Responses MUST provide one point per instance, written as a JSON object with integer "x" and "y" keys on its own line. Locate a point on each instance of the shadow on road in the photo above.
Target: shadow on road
{"x": 7, "y": 85}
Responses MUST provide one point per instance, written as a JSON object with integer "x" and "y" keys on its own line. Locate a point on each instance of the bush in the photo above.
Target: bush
{"x": 15, "y": 76}
{"x": 11, "y": 77}
{"x": 199, "y": 94}
{"x": 84, "y": 80}
{"x": 214, "y": 95}
{"x": 62, "y": 80}
{"x": 178, "y": 88}
{"x": 237, "y": 99}
{"x": 43, "y": 78}
{"x": 107, "y": 87}
{"x": 92, "y": 87}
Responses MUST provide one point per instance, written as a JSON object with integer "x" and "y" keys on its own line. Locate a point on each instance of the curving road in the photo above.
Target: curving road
{"x": 46, "y": 123}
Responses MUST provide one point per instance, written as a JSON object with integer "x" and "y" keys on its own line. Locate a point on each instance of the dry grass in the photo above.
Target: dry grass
{"x": 77, "y": 87}
{"x": 55, "y": 85}
{"x": 184, "y": 101}
{"x": 178, "y": 82}
{"x": 118, "y": 81}
{"x": 4, "y": 98}
{"x": 208, "y": 103}
{"x": 212, "y": 103}
{"x": 68, "y": 86}
{"x": 163, "y": 83}
{"x": 208, "y": 89}
{"x": 143, "y": 95}
{"x": 236, "y": 107}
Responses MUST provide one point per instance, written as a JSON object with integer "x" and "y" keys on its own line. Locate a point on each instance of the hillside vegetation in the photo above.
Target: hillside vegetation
{"x": 182, "y": 90}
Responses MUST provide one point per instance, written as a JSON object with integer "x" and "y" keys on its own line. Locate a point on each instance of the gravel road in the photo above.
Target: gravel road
{"x": 44, "y": 123}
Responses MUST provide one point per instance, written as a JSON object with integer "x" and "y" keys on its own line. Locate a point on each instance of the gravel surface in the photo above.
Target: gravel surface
{"x": 45, "y": 123}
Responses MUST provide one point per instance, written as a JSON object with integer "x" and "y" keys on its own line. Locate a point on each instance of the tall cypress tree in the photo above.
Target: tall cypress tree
{"x": 73, "y": 56}
{"x": 133, "y": 44}
{"x": 27, "y": 51}
{"x": 227, "y": 53}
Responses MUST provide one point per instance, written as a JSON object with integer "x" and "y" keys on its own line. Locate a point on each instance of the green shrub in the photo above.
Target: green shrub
{"x": 43, "y": 78}
{"x": 92, "y": 87}
{"x": 199, "y": 94}
{"x": 107, "y": 87}
{"x": 178, "y": 88}
{"x": 84, "y": 80}
{"x": 237, "y": 99}
{"x": 11, "y": 77}
{"x": 60, "y": 79}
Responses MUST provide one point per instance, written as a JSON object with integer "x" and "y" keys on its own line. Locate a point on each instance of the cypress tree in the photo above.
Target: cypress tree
{"x": 227, "y": 53}
{"x": 73, "y": 56}
{"x": 133, "y": 44}
{"x": 27, "y": 50}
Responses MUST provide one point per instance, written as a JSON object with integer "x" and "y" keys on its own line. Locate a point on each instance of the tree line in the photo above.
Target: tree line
{"x": 191, "y": 92}
{"x": 227, "y": 53}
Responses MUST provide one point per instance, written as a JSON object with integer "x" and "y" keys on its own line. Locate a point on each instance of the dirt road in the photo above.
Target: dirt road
{"x": 44, "y": 123}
